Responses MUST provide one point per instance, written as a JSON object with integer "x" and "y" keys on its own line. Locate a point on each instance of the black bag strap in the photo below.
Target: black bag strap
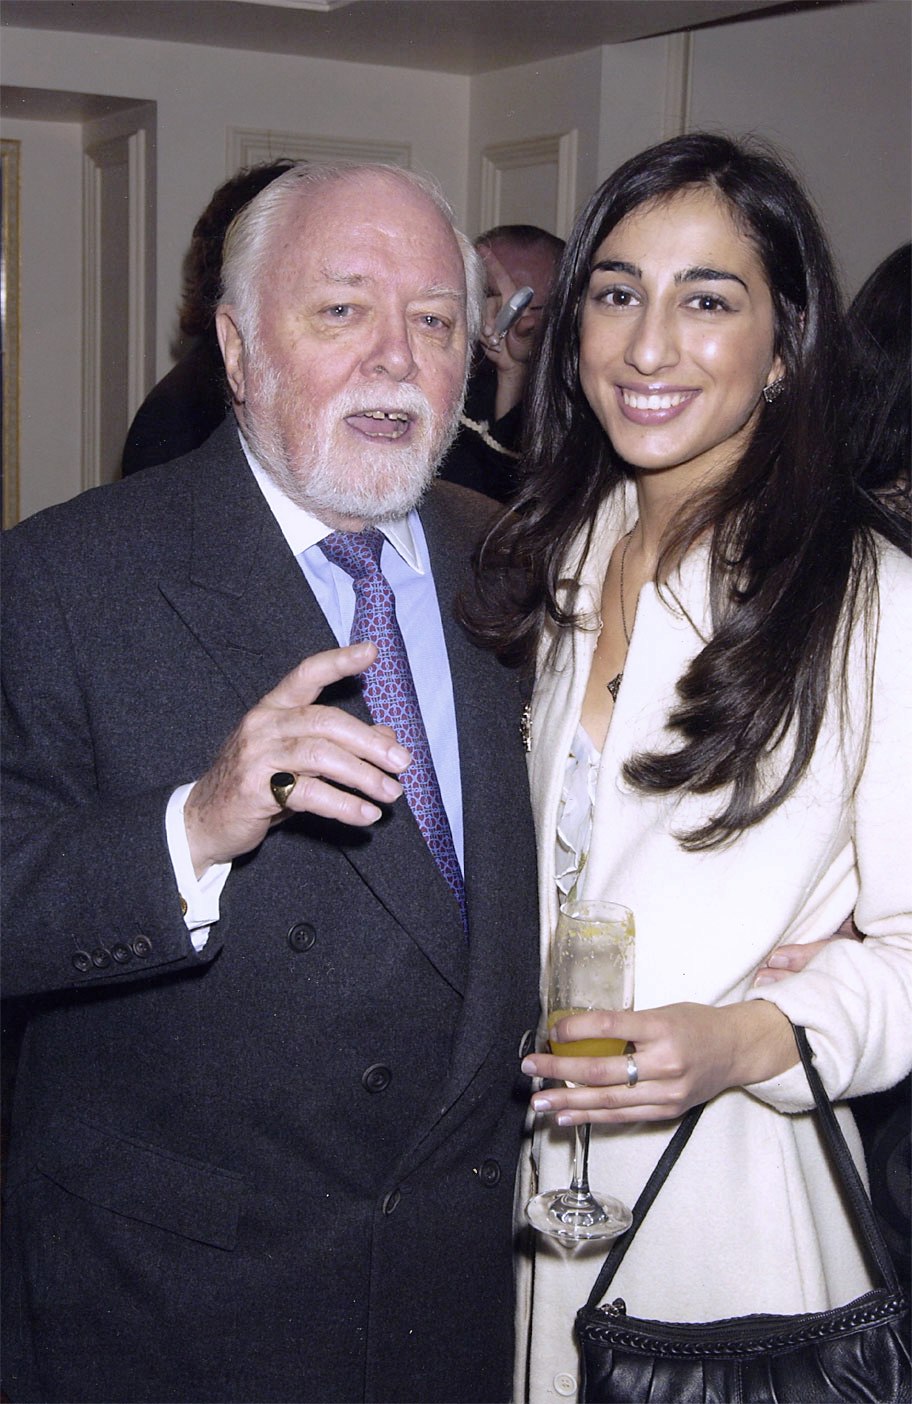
{"x": 845, "y": 1166}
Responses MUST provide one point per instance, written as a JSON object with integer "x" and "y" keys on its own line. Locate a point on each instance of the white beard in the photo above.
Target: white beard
{"x": 320, "y": 465}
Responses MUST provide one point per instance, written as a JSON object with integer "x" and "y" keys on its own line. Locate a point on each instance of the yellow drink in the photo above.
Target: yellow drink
{"x": 584, "y": 1047}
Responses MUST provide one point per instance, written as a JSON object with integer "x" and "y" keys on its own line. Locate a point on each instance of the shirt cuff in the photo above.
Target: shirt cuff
{"x": 200, "y": 896}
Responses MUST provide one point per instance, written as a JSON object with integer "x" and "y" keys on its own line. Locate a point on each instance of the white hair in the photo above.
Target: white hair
{"x": 249, "y": 234}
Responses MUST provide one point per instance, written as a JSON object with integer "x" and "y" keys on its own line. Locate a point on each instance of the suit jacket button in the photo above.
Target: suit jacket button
{"x": 82, "y": 961}
{"x": 391, "y": 1202}
{"x": 301, "y": 936}
{"x": 376, "y": 1078}
{"x": 121, "y": 953}
{"x": 142, "y": 946}
{"x": 489, "y": 1173}
{"x": 526, "y": 1043}
{"x": 101, "y": 958}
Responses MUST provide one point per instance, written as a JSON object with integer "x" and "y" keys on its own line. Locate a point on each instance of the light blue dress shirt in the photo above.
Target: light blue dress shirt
{"x": 406, "y": 564}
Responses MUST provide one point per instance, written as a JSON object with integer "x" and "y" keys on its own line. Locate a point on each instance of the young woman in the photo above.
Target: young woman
{"x": 717, "y": 736}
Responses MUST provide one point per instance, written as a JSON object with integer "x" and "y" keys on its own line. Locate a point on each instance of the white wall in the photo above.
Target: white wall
{"x": 535, "y": 100}
{"x": 633, "y": 97}
{"x": 832, "y": 89}
{"x": 50, "y": 302}
{"x": 832, "y": 86}
{"x": 202, "y": 91}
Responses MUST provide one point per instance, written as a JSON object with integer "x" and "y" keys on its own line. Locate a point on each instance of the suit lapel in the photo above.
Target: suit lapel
{"x": 490, "y": 752}
{"x": 246, "y": 600}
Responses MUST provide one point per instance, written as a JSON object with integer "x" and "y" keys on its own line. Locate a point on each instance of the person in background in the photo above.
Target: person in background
{"x": 485, "y": 451}
{"x": 718, "y": 736}
{"x": 880, "y": 426}
{"x": 181, "y": 411}
{"x": 269, "y": 863}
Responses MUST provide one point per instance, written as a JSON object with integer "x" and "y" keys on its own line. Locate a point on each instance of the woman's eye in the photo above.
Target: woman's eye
{"x": 339, "y": 310}
{"x": 616, "y": 297}
{"x": 709, "y": 302}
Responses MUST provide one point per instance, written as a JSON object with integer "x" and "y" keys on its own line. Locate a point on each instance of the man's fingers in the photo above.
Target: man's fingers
{"x": 305, "y": 682}
{"x": 320, "y": 758}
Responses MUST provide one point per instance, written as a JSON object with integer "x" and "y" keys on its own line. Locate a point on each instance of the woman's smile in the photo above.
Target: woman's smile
{"x": 653, "y": 406}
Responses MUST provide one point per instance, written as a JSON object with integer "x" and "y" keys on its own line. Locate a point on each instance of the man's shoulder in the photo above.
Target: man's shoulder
{"x": 154, "y": 502}
{"x": 459, "y": 513}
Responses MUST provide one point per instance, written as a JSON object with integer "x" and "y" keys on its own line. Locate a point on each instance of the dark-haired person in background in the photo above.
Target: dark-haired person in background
{"x": 880, "y": 424}
{"x": 181, "y": 411}
{"x": 719, "y": 733}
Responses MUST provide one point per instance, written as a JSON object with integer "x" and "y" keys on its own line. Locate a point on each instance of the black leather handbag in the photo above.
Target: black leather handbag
{"x": 858, "y": 1352}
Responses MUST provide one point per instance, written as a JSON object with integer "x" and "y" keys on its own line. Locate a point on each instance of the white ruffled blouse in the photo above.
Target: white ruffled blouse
{"x": 574, "y": 815}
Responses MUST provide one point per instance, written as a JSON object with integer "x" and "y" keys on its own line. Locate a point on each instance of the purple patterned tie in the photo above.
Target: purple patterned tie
{"x": 389, "y": 691}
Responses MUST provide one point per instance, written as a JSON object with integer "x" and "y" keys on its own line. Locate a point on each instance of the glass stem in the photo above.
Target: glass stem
{"x": 580, "y": 1182}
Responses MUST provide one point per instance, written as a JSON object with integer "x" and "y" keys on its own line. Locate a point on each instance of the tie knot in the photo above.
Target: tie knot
{"x": 355, "y": 552}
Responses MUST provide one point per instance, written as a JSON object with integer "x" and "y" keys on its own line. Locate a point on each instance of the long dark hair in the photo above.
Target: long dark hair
{"x": 788, "y": 534}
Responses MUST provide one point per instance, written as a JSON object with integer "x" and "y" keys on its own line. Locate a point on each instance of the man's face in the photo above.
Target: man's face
{"x": 351, "y": 390}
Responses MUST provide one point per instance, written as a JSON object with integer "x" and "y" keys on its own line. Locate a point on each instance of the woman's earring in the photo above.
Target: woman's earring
{"x": 772, "y": 391}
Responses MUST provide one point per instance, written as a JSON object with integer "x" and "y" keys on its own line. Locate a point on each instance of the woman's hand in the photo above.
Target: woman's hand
{"x": 684, "y": 1054}
{"x": 788, "y": 960}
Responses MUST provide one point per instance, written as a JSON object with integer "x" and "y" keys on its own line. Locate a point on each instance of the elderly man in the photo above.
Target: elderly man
{"x": 269, "y": 1102}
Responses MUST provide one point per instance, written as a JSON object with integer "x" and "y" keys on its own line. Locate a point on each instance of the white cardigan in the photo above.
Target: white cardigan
{"x": 750, "y": 1219}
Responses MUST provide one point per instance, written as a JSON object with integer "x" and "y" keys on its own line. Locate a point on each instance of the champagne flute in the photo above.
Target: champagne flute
{"x": 591, "y": 968}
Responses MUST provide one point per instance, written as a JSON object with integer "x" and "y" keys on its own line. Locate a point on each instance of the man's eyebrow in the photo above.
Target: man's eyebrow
{"x": 348, "y": 280}
{"x": 443, "y": 290}
{"x": 360, "y": 280}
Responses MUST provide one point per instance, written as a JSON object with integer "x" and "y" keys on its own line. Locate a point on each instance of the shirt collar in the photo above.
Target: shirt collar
{"x": 302, "y": 530}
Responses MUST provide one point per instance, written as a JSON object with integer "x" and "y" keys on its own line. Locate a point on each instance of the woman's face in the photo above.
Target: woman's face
{"x": 676, "y": 336}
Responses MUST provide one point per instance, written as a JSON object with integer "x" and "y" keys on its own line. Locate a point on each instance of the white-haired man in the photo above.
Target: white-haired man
{"x": 268, "y": 1107}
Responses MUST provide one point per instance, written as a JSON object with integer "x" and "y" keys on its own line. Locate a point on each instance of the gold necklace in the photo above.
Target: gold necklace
{"x": 614, "y": 686}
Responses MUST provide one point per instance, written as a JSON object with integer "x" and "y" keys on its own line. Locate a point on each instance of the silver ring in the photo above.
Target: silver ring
{"x": 633, "y": 1075}
{"x": 281, "y": 784}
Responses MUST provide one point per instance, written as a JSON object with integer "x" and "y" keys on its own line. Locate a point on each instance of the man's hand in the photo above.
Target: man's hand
{"x": 231, "y": 807}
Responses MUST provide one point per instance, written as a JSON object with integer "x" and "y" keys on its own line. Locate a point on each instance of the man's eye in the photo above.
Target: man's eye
{"x": 339, "y": 310}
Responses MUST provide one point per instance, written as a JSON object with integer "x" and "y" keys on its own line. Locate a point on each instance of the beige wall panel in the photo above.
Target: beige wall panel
{"x": 50, "y": 354}
{"x": 833, "y": 88}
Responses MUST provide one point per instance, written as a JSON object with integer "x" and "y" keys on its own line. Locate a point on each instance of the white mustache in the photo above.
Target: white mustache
{"x": 406, "y": 398}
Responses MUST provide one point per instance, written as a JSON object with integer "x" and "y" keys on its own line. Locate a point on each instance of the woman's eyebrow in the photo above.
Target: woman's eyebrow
{"x": 708, "y": 275}
{"x": 688, "y": 275}
{"x": 615, "y": 265}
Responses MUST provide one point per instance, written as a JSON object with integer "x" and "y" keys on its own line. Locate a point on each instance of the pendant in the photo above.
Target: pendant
{"x": 525, "y": 727}
{"x": 614, "y": 686}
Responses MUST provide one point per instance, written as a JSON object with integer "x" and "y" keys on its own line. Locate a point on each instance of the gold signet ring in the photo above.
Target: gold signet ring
{"x": 281, "y": 784}
{"x": 633, "y": 1075}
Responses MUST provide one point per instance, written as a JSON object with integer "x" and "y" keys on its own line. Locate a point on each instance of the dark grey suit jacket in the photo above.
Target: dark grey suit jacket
{"x": 280, "y": 1170}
